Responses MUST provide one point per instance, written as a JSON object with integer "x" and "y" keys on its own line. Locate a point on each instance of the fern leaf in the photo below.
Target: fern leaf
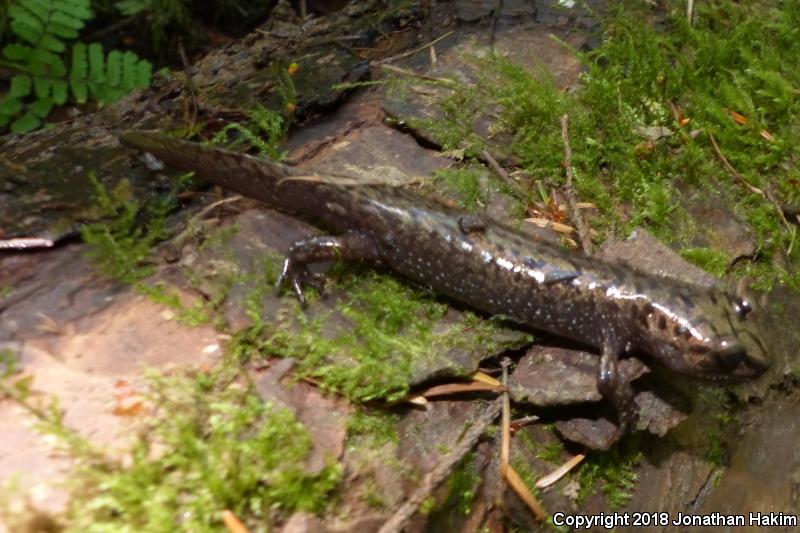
{"x": 44, "y": 58}
{"x": 80, "y": 90}
{"x": 96, "y": 63}
{"x": 39, "y": 9}
{"x": 65, "y": 25}
{"x": 17, "y": 52}
{"x": 144, "y": 74}
{"x": 79, "y": 63}
{"x": 10, "y": 106}
{"x": 60, "y": 93}
{"x": 49, "y": 42}
{"x": 129, "y": 8}
{"x": 26, "y": 24}
{"x": 114, "y": 68}
{"x": 20, "y": 86}
{"x": 129, "y": 70}
{"x": 41, "y": 108}
{"x": 42, "y": 26}
{"x": 50, "y": 88}
{"x": 79, "y": 73}
{"x": 27, "y": 122}
{"x": 80, "y": 9}
{"x": 43, "y": 23}
{"x": 42, "y": 86}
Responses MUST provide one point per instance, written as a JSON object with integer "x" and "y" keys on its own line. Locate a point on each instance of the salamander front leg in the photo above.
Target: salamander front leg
{"x": 326, "y": 248}
{"x": 614, "y": 388}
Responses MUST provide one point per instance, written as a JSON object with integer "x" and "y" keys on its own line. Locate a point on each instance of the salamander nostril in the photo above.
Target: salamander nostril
{"x": 731, "y": 353}
{"x": 742, "y": 307}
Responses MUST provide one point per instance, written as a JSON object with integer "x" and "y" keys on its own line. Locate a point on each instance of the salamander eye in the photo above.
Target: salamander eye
{"x": 742, "y": 307}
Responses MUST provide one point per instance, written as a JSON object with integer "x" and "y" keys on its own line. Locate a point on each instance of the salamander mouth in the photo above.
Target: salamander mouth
{"x": 733, "y": 360}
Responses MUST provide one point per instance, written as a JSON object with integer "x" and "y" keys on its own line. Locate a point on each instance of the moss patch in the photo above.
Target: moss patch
{"x": 642, "y": 120}
{"x": 613, "y": 471}
{"x": 208, "y": 444}
{"x": 369, "y": 344}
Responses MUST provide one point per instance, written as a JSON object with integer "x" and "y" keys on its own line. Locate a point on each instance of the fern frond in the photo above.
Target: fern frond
{"x": 44, "y": 23}
{"x": 106, "y": 78}
{"x": 42, "y": 27}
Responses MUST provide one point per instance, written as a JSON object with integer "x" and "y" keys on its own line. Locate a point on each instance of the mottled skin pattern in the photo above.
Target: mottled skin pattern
{"x": 478, "y": 261}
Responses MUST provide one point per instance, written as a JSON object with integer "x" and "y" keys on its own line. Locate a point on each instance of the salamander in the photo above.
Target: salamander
{"x": 695, "y": 331}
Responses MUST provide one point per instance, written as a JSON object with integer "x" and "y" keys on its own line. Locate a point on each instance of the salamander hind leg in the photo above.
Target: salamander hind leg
{"x": 614, "y": 388}
{"x": 314, "y": 250}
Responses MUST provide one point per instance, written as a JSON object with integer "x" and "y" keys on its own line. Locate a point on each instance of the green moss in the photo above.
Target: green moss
{"x": 265, "y": 130}
{"x": 552, "y": 452}
{"x": 448, "y": 511}
{"x": 388, "y": 326}
{"x": 371, "y": 495}
{"x": 710, "y": 260}
{"x": 630, "y": 155}
{"x": 613, "y": 470}
{"x": 210, "y": 444}
{"x": 427, "y": 506}
{"x": 454, "y": 126}
{"x": 198, "y": 313}
{"x": 8, "y": 363}
{"x": 366, "y": 346}
{"x": 121, "y": 245}
{"x": 378, "y": 427}
{"x": 466, "y": 182}
{"x": 521, "y": 462}
{"x": 462, "y": 485}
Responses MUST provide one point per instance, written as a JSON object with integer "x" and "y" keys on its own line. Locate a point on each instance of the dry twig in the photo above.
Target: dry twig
{"x": 516, "y": 482}
{"x": 455, "y": 388}
{"x": 493, "y": 26}
{"x": 189, "y": 82}
{"x": 560, "y": 472}
{"x": 407, "y": 72}
{"x": 506, "y": 470}
{"x": 733, "y": 172}
{"x": 752, "y": 188}
{"x": 500, "y": 171}
{"x": 505, "y": 444}
{"x": 414, "y": 51}
{"x": 24, "y": 243}
{"x": 232, "y": 522}
{"x": 569, "y": 191}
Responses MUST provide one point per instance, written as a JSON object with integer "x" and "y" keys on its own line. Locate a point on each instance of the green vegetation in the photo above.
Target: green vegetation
{"x": 38, "y": 56}
{"x": 447, "y": 512}
{"x": 551, "y": 453}
{"x": 614, "y": 469}
{"x": 8, "y": 363}
{"x": 524, "y": 449}
{"x": 640, "y": 129}
{"x": 711, "y": 260}
{"x": 365, "y": 348}
{"x": 466, "y": 182}
{"x": 121, "y": 245}
{"x": 266, "y": 131}
{"x": 208, "y": 443}
{"x": 378, "y": 426}
{"x": 643, "y": 119}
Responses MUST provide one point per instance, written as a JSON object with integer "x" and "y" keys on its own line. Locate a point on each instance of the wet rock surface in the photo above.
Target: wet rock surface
{"x": 79, "y": 334}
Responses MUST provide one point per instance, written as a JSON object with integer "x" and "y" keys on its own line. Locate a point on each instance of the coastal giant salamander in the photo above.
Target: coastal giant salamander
{"x": 695, "y": 331}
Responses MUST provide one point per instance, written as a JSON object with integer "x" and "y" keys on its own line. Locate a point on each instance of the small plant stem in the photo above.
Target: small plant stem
{"x": 569, "y": 191}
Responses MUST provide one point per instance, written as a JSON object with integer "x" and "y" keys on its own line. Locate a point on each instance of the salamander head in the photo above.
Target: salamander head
{"x": 706, "y": 334}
